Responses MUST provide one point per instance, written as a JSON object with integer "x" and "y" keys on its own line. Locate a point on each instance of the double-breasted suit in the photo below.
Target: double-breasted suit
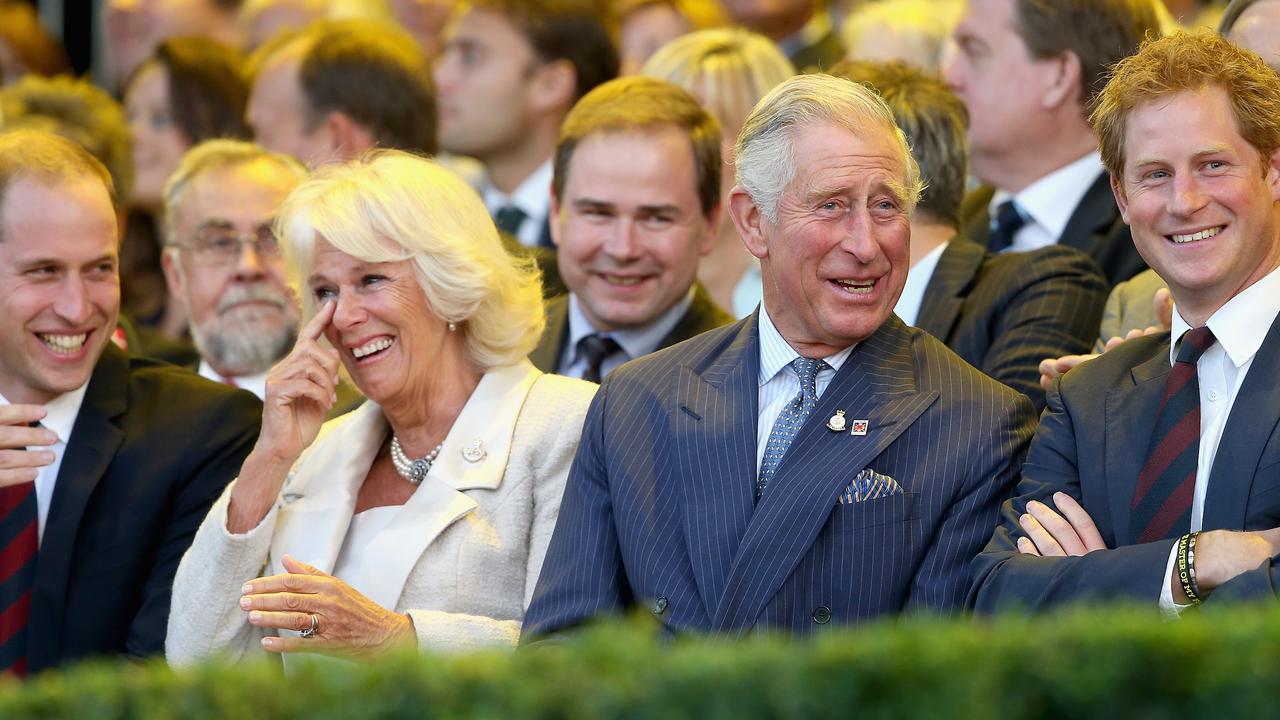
{"x": 660, "y": 511}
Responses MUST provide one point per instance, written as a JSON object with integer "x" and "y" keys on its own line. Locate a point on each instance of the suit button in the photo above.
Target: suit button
{"x": 822, "y": 614}
{"x": 659, "y": 605}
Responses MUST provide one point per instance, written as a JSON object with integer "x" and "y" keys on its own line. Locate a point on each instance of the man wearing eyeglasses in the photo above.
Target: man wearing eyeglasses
{"x": 223, "y": 264}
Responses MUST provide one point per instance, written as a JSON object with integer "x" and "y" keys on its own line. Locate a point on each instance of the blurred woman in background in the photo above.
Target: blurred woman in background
{"x": 728, "y": 71}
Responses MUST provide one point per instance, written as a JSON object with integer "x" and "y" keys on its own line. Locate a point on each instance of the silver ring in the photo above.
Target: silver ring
{"x": 315, "y": 625}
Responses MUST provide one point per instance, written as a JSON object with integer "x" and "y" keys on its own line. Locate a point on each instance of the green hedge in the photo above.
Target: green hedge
{"x": 1104, "y": 664}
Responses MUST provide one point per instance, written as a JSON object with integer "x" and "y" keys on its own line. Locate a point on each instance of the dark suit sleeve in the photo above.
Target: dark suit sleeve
{"x": 582, "y": 575}
{"x": 1053, "y": 311}
{"x": 942, "y": 579}
{"x": 223, "y": 432}
{"x": 1006, "y": 579}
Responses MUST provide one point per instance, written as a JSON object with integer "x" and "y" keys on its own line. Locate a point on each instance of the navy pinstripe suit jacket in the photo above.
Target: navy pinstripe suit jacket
{"x": 659, "y": 508}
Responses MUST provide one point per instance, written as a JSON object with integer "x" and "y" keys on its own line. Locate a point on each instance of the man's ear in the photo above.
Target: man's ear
{"x": 172, "y": 272}
{"x": 1122, "y": 202}
{"x": 554, "y": 86}
{"x": 712, "y": 232}
{"x": 553, "y": 220}
{"x": 1272, "y": 170}
{"x": 1065, "y": 78}
{"x": 749, "y": 221}
{"x": 347, "y": 138}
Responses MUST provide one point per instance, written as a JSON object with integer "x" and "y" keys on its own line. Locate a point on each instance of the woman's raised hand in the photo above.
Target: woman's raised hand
{"x": 300, "y": 390}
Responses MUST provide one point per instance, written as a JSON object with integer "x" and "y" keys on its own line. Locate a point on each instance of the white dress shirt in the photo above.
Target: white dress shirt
{"x": 635, "y": 342}
{"x": 256, "y": 384}
{"x": 61, "y": 419}
{"x": 779, "y": 383}
{"x": 908, "y": 307}
{"x": 1239, "y": 327}
{"x": 533, "y": 197}
{"x": 1049, "y": 202}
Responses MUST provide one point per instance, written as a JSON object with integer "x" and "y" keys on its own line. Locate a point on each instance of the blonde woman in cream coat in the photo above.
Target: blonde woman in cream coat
{"x": 422, "y": 517}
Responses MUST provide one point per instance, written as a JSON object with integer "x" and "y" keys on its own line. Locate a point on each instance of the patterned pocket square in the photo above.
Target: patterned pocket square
{"x": 869, "y": 485}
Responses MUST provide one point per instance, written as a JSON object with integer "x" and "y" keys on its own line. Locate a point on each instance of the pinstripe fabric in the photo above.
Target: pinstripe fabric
{"x": 658, "y": 510}
{"x": 1005, "y": 313}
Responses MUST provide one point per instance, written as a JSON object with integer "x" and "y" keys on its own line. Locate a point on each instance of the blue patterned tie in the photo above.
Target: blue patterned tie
{"x": 791, "y": 419}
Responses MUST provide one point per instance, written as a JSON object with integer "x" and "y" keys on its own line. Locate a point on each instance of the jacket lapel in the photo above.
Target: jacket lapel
{"x": 702, "y": 315}
{"x": 877, "y": 383}
{"x": 95, "y": 438}
{"x": 715, "y": 431}
{"x": 1092, "y": 219}
{"x": 320, "y": 494}
{"x": 487, "y": 422}
{"x": 546, "y": 356}
{"x": 945, "y": 294}
{"x": 1252, "y": 423}
{"x": 1130, "y": 417}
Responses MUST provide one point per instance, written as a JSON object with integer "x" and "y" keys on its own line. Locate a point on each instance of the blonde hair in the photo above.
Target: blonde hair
{"x": 920, "y": 25}
{"x": 389, "y": 206}
{"x": 727, "y": 70}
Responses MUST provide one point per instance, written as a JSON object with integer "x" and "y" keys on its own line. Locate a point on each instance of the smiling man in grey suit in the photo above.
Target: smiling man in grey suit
{"x": 818, "y": 462}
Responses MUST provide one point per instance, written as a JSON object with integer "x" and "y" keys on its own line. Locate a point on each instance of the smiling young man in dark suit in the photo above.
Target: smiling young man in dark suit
{"x": 816, "y": 463}
{"x": 1153, "y": 476}
{"x": 630, "y": 234}
{"x": 98, "y": 505}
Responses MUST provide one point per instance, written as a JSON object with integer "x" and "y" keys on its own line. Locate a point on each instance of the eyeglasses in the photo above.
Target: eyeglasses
{"x": 214, "y": 245}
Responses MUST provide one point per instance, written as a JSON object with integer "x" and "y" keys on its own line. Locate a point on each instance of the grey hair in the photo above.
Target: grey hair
{"x": 765, "y": 151}
{"x": 389, "y": 206}
{"x": 215, "y": 155}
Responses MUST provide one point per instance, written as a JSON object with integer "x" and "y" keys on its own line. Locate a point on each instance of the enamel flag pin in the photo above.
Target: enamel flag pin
{"x": 836, "y": 423}
{"x": 859, "y": 427}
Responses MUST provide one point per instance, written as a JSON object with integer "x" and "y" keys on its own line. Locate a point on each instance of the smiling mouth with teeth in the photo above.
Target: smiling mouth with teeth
{"x": 371, "y": 347}
{"x": 1201, "y": 235}
{"x": 63, "y": 344}
{"x": 625, "y": 281}
{"x": 856, "y": 288}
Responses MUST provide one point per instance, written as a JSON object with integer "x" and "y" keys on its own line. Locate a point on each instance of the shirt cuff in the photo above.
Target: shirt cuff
{"x": 1168, "y": 608}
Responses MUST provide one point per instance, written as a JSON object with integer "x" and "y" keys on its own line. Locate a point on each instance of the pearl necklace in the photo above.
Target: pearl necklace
{"x": 415, "y": 470}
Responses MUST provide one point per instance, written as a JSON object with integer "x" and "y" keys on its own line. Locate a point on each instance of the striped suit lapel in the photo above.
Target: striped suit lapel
{"x": 715, "y": 442}
{"x": 1130, "y": 412}
{"x": 877, "y": 383}
{"x": 944, "y": 296}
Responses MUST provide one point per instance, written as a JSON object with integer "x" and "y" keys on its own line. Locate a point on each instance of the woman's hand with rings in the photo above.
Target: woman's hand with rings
{"x": 332, "y": 617}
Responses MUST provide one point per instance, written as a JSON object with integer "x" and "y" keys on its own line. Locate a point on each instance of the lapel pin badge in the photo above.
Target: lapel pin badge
{"x": 474, "y": 452}
{"x": 836, "y": 423}
{"x": 860, "y": 427}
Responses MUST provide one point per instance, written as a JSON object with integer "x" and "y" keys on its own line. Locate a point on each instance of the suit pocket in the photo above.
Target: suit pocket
{"x": 874, "y": 513}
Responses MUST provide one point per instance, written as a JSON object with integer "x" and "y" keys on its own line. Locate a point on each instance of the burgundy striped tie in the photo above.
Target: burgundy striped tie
{"x": 1166, "y": 486}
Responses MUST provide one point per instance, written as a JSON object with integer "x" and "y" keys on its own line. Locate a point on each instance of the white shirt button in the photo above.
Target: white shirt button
{"x": 1213, "y": 396}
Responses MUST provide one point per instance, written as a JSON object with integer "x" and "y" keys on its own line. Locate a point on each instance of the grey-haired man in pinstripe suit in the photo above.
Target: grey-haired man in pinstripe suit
{"x": 816, "y": 463}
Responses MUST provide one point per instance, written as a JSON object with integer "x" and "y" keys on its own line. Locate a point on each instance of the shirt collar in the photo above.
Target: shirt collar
{"x": 61, "y": 412}
{"x": 635, "y": 342}
{"x": 1242, "y": 322}
{"x": 256, "y": 384}
{"x": 533, "y": 196}
{"x": 776, "y": 353}
{"x": 1051, "y": 200}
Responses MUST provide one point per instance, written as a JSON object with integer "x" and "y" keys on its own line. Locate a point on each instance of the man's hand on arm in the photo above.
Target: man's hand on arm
{"x": 1221, "y": 555}
{"x": 1068, "y": 530}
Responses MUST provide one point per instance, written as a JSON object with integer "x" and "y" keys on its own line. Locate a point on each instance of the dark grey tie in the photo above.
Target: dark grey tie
{"x": 1009, "y": 220}
{"x": 509, "y": 219}
{"x": 594, "y": 349}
